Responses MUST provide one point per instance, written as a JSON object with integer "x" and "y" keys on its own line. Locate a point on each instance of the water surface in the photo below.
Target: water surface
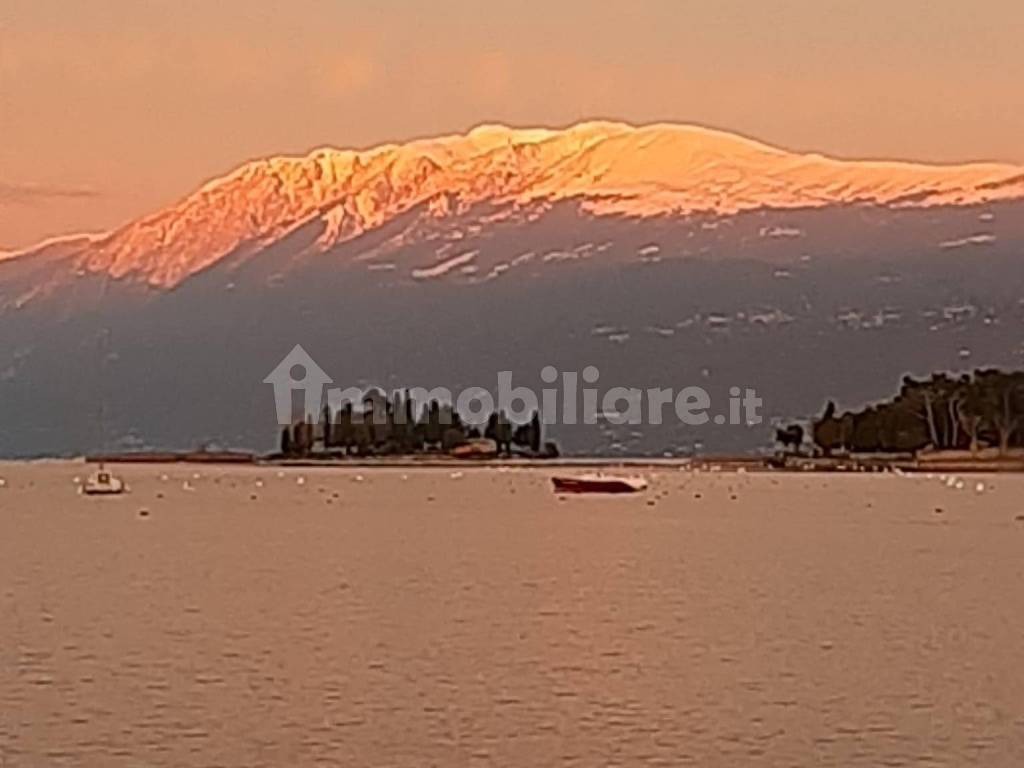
{"x": 413, "y": 618}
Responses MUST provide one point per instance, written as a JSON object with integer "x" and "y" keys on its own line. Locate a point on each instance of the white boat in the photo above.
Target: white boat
{"x": 599, "y": 483}
{"x": 102, "y": 482}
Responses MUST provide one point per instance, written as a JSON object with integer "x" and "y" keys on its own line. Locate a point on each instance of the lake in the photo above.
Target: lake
{"x": 251, "y": 616}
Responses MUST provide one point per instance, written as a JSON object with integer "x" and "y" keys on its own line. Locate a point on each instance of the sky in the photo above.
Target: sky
{"x": 110, "y": 109}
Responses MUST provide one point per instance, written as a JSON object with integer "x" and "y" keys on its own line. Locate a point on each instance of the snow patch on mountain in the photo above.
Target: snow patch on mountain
{"x": 445, "y": 267}
{"x": 781, "y": 232}
{"x": 980, "y": 239}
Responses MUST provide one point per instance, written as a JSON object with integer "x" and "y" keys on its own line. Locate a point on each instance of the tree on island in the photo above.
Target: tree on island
{"x": 970, "y": 413}
{"x": 790, "y": 437}
{"x": 499, "y": 429}
{"x": 828, "y": 431}
{"x": 530, "y": 435}
{"x": 1003, "y": 403}
{"x": 302, "y": 438}
{"x": 325, "y": 426}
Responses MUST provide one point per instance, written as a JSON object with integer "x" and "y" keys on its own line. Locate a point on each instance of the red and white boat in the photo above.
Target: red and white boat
{"x": 599, "y": 484}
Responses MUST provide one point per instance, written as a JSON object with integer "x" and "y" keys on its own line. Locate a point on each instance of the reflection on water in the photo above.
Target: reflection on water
{"x": 411, "y": 618}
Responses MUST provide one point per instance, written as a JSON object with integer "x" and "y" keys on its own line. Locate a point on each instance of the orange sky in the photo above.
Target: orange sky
{"x": 113, "y": 108}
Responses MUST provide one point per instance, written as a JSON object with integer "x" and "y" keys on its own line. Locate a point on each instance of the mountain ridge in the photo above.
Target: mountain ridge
{"x": 607, "y": 168}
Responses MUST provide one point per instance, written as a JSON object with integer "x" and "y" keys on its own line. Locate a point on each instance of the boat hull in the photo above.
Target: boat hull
{"x": 596, "y": 485}
{"x": 102, "y": 493}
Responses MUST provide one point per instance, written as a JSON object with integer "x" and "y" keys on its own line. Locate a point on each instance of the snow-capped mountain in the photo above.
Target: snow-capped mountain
{"x": 604, "y": 168}
{"x": 665, "y": 255}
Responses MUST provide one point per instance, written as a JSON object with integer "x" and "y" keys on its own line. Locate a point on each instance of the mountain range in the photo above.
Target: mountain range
{"x": 665, "y": 255}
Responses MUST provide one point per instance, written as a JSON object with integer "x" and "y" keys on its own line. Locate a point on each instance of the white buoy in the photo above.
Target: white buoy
{"x": 300, "y": 480}
{"x": 979, "y": 488}
{"x": 280, "y": 473}
{"x": 959, "y": 485}
{"x": 187, "y": 486}
{"x": 259, "y": 483}
{"x": 455, "y": 475}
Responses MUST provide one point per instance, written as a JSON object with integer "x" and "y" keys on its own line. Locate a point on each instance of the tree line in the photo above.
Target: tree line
{"x": 984, "y": 408}
{"x": 390, "y": 426}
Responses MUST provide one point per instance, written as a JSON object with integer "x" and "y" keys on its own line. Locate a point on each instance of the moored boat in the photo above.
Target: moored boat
{"x": 598, "y": 484}
{"x": 103, "y": 483}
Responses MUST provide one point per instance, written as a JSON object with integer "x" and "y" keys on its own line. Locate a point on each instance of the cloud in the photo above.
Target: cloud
{"x": 31, "y": 194}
